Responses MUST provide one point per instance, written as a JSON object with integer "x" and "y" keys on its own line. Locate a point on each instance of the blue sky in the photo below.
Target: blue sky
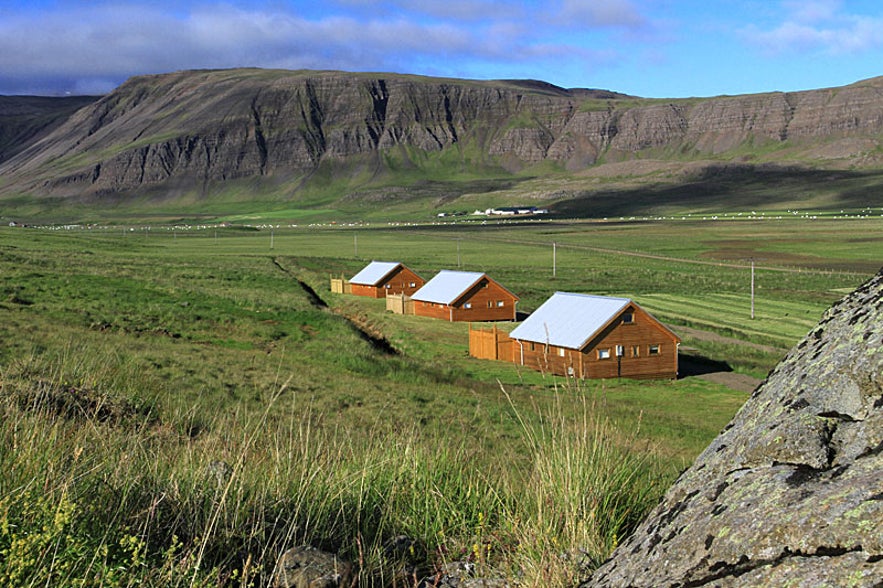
{"x": 652, "y": 48}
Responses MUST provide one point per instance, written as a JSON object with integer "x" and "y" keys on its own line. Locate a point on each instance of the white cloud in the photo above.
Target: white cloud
{"x": 600, "y": 13}
{"x": 811, "y": 11}
{"x": 88, "y": 46}
{"x": 101, "y": 43}
{"x": 463, "y": 10}
{"x": 819, "y": 26}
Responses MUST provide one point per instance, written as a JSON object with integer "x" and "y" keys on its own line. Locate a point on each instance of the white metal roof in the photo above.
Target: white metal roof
{"x": 374, "y": 272}
{"x": 447, "y": 286}
{"x": 569, "y": 320}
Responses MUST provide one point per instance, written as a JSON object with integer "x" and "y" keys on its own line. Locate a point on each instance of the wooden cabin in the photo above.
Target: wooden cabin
{"x": 381, "y": 278}
{"x": 588, "y": 336}
{"x": 464, "y": 296}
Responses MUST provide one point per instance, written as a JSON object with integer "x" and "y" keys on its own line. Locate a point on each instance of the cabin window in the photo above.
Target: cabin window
{"x": 467, "y": 306}
{"x": 636, "y": 351}
{"x": 533, "y": 346}
{"x": 490, "y": 304}
{"x": 620, "y": 351}
{"x": 604, "y": 353}
{"x": 387, "y": 286}
{"x": 653, "y": 350}
{"x": 560, "y": 352}
{"x": 412, "y": 284}
{"x": 500, "y": 304}
{"x": 628, "y": 318}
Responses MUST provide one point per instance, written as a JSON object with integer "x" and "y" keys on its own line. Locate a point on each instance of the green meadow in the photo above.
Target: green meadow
{"x": 183, "y": 403}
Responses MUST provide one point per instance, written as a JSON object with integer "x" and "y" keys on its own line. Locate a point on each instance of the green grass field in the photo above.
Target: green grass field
{"x": 133, "y": 361}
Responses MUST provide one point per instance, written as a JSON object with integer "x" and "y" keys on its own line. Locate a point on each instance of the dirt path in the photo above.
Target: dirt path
{"x": 732, "y": 380}
{"x": 718, "y": 371}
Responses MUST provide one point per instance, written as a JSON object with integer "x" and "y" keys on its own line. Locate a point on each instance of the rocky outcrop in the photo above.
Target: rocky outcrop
{"x": 196, "y": 129}
{"x": 791, "y": 493}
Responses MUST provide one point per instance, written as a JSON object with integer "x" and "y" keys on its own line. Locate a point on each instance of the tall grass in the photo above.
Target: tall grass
{"x": 588, "y": 485}
{"x": 99, "y": 490}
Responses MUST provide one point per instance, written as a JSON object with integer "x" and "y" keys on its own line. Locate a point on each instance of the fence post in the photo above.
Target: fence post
{"x": 496, "y": 345}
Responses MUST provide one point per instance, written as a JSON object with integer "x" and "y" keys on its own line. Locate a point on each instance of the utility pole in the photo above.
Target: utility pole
{"x": 752, "y": 289}
{"x": 458, "y": 252}
{"x": 356, "y": 245}
{"x": 554, "y": 259}
{"x": 272, "y": 234}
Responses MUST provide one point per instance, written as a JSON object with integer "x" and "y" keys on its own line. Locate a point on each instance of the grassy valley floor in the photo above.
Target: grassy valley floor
{"x": 181, "y": 403}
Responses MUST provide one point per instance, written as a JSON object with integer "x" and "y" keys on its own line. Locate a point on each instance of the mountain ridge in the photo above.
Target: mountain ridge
{"x": 286, "y": 136}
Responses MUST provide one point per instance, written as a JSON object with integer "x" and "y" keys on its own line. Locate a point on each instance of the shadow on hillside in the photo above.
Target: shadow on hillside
{"x": 696, "y": 365}
{"x": 731, "y": 187}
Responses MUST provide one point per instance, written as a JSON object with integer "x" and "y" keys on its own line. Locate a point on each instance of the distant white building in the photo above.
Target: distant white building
{"x": 514, "y": 211}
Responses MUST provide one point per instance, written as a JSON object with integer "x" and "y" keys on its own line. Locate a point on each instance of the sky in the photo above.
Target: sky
{"x": 648, "y": 48}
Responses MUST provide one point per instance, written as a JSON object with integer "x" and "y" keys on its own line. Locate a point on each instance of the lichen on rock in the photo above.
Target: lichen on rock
{"x": 791, "y": 492}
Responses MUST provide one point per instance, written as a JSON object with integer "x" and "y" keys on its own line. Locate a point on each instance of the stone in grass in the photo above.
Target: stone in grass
{"x": 460, "y": 574}
{"x": 307, "y": 567}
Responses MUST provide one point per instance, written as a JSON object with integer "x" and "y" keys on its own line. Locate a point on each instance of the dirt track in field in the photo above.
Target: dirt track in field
{"x": 739, "y": 382}
{"x": 717, "y": 371}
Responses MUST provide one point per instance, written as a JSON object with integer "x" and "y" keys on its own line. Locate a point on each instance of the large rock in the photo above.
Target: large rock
{"x": 791, "y": 493}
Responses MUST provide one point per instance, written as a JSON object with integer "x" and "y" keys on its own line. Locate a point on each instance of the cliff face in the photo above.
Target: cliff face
{"x": 224, "y": 125}
{"x": 196, "y": 128}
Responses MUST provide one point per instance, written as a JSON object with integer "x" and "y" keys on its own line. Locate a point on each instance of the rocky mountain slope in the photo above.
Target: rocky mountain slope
{"x": 791, "y": 492}
{"x": 24, "y": 119}
{"x": 193, "y": 132}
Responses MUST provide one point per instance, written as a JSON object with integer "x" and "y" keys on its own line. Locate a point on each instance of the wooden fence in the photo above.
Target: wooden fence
{"x": 341, "y": 286}
{"x": 491, "y": 344}
{"x": 399, "y": 304}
